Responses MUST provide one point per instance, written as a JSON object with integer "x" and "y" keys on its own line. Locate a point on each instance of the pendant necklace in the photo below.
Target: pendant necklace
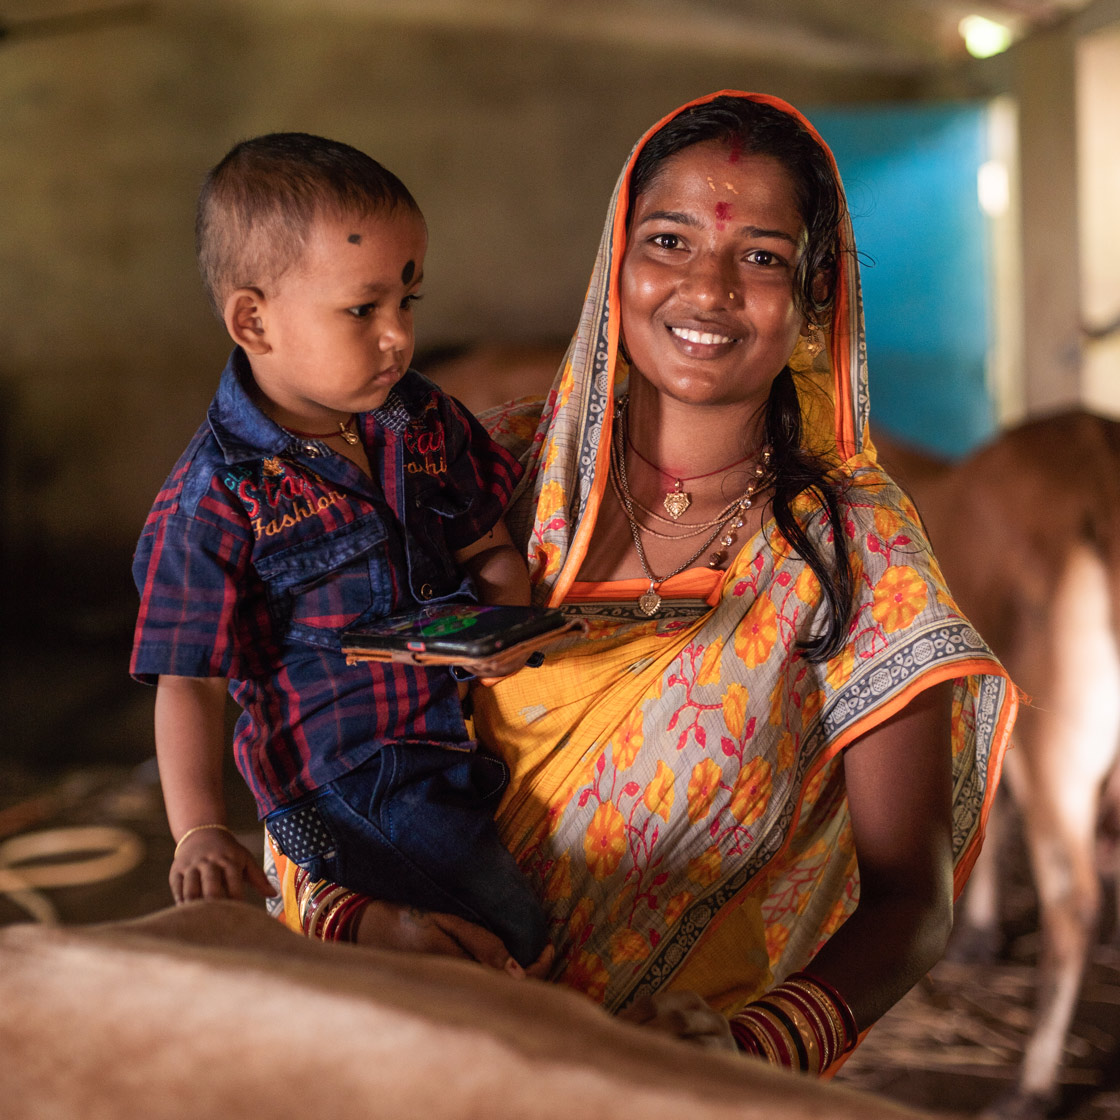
{"x": 649, "y": 602}
{"x": 677, "y": 499}
{"x": 345, "y": 431}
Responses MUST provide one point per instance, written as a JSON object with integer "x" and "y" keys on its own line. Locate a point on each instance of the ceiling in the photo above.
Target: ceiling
{"x": 889, "y": 37}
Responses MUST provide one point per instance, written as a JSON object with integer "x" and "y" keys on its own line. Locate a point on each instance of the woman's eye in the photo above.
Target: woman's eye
{"x": 362, "y": 310}
{"x": 666, "y": 240}
{"x": 764, "y": 258}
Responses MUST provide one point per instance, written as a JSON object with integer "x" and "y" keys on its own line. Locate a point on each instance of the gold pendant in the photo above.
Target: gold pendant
{"x": 676, "y": 501}
{"x": 650, "y": 602}
{"x": 348, "y": 435}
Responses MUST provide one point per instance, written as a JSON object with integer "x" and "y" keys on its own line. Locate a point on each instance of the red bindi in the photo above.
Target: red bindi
{"x": 736, "y": 150}
{"x": 723, "y": 213}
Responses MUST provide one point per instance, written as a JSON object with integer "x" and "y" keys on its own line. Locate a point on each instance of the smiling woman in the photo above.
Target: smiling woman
{"x": 748, "y": 794}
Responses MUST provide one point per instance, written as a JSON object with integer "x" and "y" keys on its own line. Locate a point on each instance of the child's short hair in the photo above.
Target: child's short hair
{"x": 258, "y": 204}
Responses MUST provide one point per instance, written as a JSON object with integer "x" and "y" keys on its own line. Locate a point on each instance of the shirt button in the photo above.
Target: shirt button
{"x": 311, "y": 451}
{"x": 426, "y": 591}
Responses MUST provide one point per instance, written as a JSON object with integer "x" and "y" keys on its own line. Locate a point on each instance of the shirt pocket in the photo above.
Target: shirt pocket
{"x": 432, "y": 571}
{"x": 320, "y": 586}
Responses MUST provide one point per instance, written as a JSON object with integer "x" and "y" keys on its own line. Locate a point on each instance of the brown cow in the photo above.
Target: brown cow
{"x": 1028, "y": 533}
{"x": 214, "y": 1010}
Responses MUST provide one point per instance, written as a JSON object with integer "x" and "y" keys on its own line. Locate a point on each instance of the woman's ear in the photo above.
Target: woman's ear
{"x": 244, "y": 318}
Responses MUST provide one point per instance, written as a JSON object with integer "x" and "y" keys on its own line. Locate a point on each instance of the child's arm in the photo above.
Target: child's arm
{"x": 190, "y": 745}
{"x": 498, "y": 569}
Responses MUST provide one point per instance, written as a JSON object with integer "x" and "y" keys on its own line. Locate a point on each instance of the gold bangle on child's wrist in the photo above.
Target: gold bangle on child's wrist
{"x": 200, "y": 828}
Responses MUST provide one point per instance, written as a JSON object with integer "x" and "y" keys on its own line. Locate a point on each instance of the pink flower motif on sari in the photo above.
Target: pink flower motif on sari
{"x": 899, "y": 597}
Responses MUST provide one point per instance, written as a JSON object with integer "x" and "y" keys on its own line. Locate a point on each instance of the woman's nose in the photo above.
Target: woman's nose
{"x": 710, "y": 282}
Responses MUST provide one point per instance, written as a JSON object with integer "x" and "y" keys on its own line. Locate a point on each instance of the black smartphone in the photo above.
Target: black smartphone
{"x": 453, "y": 632}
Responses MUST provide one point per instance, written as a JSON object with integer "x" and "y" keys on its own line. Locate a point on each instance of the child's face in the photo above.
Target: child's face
{"x": 338, "y": 324}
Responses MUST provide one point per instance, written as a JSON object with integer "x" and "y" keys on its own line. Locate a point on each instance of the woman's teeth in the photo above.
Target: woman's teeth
{"x": 701, "y": 337}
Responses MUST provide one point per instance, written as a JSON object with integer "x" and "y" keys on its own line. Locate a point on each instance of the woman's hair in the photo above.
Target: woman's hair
{"x": 258, "y": 204}
{"x": 758, "y": 129}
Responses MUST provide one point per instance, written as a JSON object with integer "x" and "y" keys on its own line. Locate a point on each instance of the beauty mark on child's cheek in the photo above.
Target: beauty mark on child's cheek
{"x": 408, "y": 272}
{"x": 355, "y": 239}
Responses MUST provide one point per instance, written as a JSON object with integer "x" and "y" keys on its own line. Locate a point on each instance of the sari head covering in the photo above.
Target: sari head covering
{"x": 677, "y": 794}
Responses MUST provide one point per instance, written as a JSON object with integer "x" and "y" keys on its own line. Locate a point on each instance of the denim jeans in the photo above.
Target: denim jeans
{"x": 415, "y": 824}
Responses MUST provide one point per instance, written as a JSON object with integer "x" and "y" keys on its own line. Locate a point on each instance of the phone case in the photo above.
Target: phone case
{"x": 453, "y": 633}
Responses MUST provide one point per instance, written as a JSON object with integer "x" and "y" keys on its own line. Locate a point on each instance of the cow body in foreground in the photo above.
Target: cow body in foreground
{"x": 215, "y": 1010}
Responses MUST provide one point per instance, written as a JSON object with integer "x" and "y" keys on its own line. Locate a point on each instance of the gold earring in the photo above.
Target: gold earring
{"x": 814, "y": 344}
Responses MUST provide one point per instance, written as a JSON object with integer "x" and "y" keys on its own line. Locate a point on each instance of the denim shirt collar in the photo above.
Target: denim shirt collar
{"x": 244, "y": 432}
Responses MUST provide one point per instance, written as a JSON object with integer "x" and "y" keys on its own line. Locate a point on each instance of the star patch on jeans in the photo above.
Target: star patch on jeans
{"x": 301, "y": 833}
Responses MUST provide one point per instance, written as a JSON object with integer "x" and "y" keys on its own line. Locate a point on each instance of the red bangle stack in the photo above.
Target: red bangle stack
{"x": 326, "y": 910}
{"x": 803, "y": 1023}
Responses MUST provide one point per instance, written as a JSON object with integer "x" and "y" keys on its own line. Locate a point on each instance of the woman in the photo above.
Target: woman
{"x": 776, "y": 686}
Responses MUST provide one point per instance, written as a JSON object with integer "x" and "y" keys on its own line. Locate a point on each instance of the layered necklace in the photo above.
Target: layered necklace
{"x": 726, "y": 522}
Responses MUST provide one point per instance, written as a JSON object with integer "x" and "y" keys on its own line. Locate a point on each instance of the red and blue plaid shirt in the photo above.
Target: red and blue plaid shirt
{"x": 263, "y": 547}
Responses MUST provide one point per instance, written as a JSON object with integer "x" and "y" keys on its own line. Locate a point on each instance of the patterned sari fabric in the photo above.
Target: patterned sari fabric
{"x": 677, "y": 789}
{"x": 677, "y": 793}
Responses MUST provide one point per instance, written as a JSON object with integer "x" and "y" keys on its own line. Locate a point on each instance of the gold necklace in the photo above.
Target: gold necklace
{"x": 649, "y": 602}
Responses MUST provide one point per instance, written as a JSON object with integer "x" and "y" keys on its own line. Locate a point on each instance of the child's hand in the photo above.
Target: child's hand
{"x": 213, "y": 864}
{"x": 684, "y": 1015}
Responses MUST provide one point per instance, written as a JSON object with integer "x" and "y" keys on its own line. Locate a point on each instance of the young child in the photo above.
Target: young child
{"x": 329, "y": 485}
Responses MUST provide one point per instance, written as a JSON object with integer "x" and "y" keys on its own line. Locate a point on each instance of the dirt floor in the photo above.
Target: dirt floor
{"x": 81, "y": 756}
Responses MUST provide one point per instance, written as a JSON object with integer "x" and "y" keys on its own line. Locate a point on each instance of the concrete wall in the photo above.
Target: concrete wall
{"x": 108, "y": 354}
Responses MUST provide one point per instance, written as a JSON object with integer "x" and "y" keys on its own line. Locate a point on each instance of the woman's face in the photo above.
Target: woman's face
{"x": 708, "y": 314}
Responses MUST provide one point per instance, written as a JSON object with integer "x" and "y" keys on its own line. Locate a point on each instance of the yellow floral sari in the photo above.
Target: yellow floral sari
{"x": 677, "y": 794}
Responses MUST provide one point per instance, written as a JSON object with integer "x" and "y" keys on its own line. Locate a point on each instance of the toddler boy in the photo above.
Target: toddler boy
{"x": 329, "y": 485}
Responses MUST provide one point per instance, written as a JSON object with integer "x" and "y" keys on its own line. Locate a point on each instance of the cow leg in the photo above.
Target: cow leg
{"x": 1064, "y": 755}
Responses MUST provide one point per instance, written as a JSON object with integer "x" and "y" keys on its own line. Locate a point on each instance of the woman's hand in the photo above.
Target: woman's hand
{"x": 390, "y": 925}
{"x": 683, "y": 1015}
{"x": 212, "y": 864}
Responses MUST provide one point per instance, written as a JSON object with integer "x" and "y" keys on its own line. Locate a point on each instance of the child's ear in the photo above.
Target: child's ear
{"x": 244, "y": 317}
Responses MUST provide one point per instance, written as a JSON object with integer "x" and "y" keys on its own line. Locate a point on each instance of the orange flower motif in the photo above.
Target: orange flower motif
{"x": 776, "y": 938}
{"x": 587, "y": 973}
{"x": 705, "y": 868}
{"x": 660, "y": 792}
{"x": 735, "y": 701}
{"x": 751, "y": 793}
{"x": 627, "y": 741}
{"x": 756, "y": 634}
{"x": 887, "y": 524}
{"x": 710, "y": 663}
{"x": 559, "y": 882}
{"x": 899, "y": 597}
{"x": 840, "y": 669}
{"x": 545, "y": 559}
{"x": 676, "y": 906}
{"x": 702, "y": 788}
{"x": 808, "y": 587}
{"x": 579, "y": 918}
{"x": 605, "y": 841}
{"x": 628, "y": 945}
{"x": 551, "y": 500}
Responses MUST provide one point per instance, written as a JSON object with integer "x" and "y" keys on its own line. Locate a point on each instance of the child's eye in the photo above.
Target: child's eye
{"x": 362, "y": 310}
{"x": 409, "y": 300}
